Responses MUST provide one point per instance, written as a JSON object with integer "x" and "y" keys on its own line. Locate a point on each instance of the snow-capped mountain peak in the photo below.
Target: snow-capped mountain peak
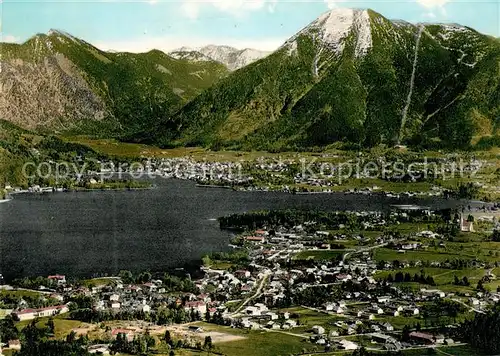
{"x": 231, "y": 57}
{"x": 333, "y": 27}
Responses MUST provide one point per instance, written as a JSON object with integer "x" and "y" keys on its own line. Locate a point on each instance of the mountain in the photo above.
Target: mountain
{"x": 231, "y": 57}
{"x": 56, "y": 82}
{"x": 356, "y": 77}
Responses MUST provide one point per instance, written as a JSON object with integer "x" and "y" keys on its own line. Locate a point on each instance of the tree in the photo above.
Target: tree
{"x": 405, "y": 334}
{"x": 168, "y": 338}
{"x": 206, "y": 261}
{"x": 71, "y": 337}
{"x": 480, "y": 286}
{"x": 208, "y": 343}
{"x": 126, "y": 276}
{"x": 8, "y": 330}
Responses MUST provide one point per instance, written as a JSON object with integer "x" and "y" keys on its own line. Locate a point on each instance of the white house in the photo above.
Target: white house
{"x": 318, "y": 330}
{"x": 197, "y": 306}
{"x": 29, "y": 314}
{"x": 144, "y": 308}
{"x": 347, "y": 345}
{"x": 388, "y": 327}
{"x": 60, "y": 279}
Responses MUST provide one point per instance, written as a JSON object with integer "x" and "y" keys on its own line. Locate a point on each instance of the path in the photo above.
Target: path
{"x": 363, "y": 250}
{"x": 255, "y": 295}
{"x": 468, "y": 306}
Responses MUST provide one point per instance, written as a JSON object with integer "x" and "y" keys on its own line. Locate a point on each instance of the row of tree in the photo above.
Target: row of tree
{"x": 163, "y": 316}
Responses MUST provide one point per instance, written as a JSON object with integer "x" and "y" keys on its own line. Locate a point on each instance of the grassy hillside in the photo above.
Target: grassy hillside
{"x": 19, "y": 146}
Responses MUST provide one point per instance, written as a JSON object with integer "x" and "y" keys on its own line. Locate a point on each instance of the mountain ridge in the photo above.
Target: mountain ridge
{"x": 350, "y": 76}
{"x": 76, "y": 86}
{"x": 328, "y": 84}
{"x": 231, "y": 57}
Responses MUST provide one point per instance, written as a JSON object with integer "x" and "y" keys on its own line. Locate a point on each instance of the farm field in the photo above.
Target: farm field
{"x": 257, "y": 343}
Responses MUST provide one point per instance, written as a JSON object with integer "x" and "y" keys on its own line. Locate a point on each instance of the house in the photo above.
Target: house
{"x": 319, "y": 330}
{"x": 129, "y": 334}
{"x": 347, "y": 345}
{"x": 466, "y": 226}
{"x": 100, "y": 349}
{"x": 114, "y": 297}
{"x": 432, "y": 292}
{"x": 271, "y": 316}
{"x": 57, "y": 297}
{"x": 204, "y": 298}
{"x": 60, "y": 279}
{"x": 343, "y": 277}
{"x": 255, "y": 239}
{"x": 14, "y": 345}
{"x": 422, "y": 338}
{"x": 273, "y": 325}
{"x": 388, "y": 327}
{"x": 242, "y": 274}
{"x": 383, "y": 299}
{"x": 262, "y": 307}
{"x": 389, "y": 342}
{"x": 197, "y": 306}
{"x": 114, "y": 305}
{"x": 144, "y": 308}
{"x": 329, "y": 306}
{"x": 321, "y": 342}
{"x": 254, "y": 311}
{"x": 195, "y": 328}
{"x": 30, "y": 314}
{"x": 150, "y": 287}
{"x": 439, "y": 339}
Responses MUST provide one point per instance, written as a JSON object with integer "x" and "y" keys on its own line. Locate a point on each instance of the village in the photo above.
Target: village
{"x": 406, "y": 175}
{"x": 386, "y": 285}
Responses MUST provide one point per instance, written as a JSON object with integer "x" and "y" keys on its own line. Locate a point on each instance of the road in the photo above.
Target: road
{"x": 256, "y": 294}
{"x": 468, "y": 306}
{"x": 363, "y": 250}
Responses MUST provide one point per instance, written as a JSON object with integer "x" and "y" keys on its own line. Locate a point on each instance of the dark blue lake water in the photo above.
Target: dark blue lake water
{"x": 84, "y": 233}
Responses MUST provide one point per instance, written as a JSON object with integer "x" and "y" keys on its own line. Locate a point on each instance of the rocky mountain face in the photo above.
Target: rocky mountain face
{"x": 56, "y": 82}
{"x": 356, "y": 77}
{"x": 231, "y": 57}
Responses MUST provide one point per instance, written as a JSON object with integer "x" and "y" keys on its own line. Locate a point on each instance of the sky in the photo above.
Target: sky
{"x": 139, "y": 26}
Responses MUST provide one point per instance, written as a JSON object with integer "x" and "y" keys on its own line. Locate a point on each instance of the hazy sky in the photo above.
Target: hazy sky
{"x": 263, "y": 24}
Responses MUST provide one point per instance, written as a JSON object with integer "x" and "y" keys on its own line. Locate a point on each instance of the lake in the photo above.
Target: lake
{"x": 84, "y": 233}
